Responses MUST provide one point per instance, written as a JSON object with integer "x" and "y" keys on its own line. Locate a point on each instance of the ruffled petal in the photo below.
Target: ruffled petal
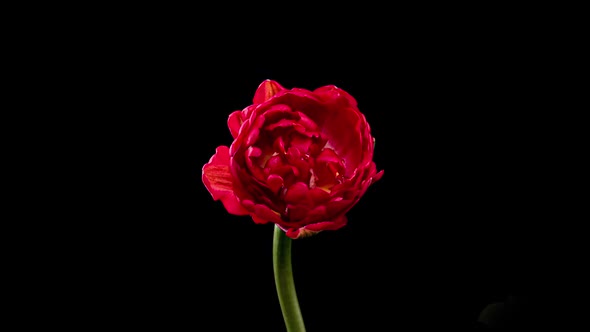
{"x": 218, "y": 180}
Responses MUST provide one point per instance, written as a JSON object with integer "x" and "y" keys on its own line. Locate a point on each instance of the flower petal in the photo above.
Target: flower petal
{"x": 327, "y": 225}
{"x": 297, "y": 212}
{"x": 296, "y": 193}
{"x": 259, "y": 220}
{"x": 312, "y": 229}
{"x": 219, "y": 182}
{"x": 266, "y": 90}
{"x": 274, "y": 182}
{"x": 264, "y": 213}
{"x": 234, "y": 122}
{"x": 343, "y": 127}
{"x": 377, "y": 176}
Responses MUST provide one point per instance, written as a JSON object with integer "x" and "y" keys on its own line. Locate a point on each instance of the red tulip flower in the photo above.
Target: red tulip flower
{"x": 300, "y": 159}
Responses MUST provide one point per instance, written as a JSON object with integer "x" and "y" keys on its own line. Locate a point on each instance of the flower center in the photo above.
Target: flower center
{"x": 292, "y": 147}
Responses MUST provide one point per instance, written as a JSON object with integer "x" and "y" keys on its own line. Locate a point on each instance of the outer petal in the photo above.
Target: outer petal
{"x": 327, "y": 225}
{"x": 317, "y": 227}
{"x": 266, "y": 90}
{"x": 377, "y": 176}
{"x": 218, "y": 180}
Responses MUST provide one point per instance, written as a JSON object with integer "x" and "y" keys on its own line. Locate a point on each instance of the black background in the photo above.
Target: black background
{"x": 449, "y": 229}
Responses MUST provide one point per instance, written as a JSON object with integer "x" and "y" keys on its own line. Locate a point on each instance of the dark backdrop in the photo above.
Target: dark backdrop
{"x": 448, "y": 230}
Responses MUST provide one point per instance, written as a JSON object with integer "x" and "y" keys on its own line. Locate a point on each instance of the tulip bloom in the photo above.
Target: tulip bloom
{"x": 300, "y": 159}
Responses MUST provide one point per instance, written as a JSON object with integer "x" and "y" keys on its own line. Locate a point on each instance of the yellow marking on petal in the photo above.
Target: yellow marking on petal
{"x": 306, "y": 233}
{"x": 270, "y": 89}
{"x": 218, "y": 176}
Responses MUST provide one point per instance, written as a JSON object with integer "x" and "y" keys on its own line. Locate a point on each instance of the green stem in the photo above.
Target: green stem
{"x": 281, "y": 255}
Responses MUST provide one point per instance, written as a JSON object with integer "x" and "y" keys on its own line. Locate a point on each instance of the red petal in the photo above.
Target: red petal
{"x": 317, "y": 214}
{"x": 297, "y": 212}
{"x": 283, "y": 170}
{"x": 284, "y": 123}
{"x": 216, "y": 175}
{"x": 274, "y": 161}
{"x": 293, "y": 155}
{"x": 274, "y": 182}
{"x": 296, "y": 193}
{"x": 301, "y": 142}
{"x": 263, "y": 212}
{"x": 279, "y": 145}
{"x": 277, "y": 112}
{"x": 318, "y": 196}
{"x": 306, "y": 122}
{"x": 266, "y": 90}
{"x": 377, "y": 176}
{"x": 248, "y": 204}
{"x": 312, "y": 229}
{"x": 233, "y": 206}
{"x": 259, "y": 220}
{"x": 292, "y": 233}
{"x": 327, "y": 225}
{"x": 338, "y": 206}
{"x": 251, "y": 154}
{"x": 252, "y": 137}
{"x": 234, "y": 122}
{"x": 248, "y": 111}
{"x": 219, "y": 181}
{"x": 343, "y": 129}
{"x": 327, "y": 156}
